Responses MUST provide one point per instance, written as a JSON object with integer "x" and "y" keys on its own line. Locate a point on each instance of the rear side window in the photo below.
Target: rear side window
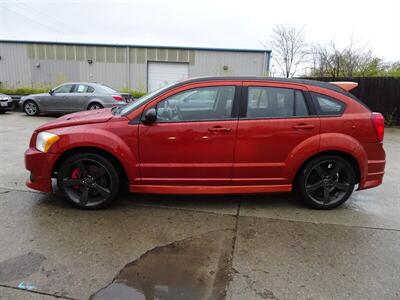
{"x": 270, "y": 102}
{"x": 83, "y": 88}
{"x": 327, "y": 106}
{"x": 109, "y": 90}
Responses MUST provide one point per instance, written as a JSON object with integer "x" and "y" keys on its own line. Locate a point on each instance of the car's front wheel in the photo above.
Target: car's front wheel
{"x": 326, "y": 182}
{"x": 31, "y": 108}
{"x": 88, "y": 181}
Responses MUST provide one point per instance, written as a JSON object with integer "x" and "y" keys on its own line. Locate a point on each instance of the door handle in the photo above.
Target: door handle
{"x": 219, "y": 129}
{"x": 303, "y": 126}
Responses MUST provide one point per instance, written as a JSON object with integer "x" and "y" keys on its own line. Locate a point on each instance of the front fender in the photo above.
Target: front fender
{"x": 326, "y": 142}
{"x": 107, "y": 140}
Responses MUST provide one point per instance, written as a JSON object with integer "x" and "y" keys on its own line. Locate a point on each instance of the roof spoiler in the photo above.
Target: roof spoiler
{"x": 346, "y": 85}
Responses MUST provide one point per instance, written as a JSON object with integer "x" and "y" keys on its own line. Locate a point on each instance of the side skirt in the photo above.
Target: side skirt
{"x": 203, "y": 189}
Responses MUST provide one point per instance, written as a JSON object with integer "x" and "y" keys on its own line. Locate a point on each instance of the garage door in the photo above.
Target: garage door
{"x": 160, "y": 74}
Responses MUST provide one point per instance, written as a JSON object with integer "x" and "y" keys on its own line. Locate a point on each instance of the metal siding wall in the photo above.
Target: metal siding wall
{"x": 239, "y": 63}
{"x": 60, "y": 63}
{"x": 138, "y": 76}
{"x": 112, "y": 74}
{"x": 14, "y": 65}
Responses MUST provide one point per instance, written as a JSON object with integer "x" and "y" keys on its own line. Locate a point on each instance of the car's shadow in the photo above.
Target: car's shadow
{"x": 224, "y": 204}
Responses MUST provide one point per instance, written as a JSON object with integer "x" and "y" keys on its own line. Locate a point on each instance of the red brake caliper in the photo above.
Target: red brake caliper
{"x": 74, "y": 175}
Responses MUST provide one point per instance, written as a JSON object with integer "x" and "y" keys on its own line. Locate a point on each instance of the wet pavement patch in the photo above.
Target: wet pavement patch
{"x": 20, "y": 266}
{"x": 195, "y": 268}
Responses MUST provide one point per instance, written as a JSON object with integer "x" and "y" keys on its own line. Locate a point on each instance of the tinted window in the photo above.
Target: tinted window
{"x": 66, "y": 88}
{"x": 109, "y": 90}
{"x": 83, "y": 88}
{"x": 210, "y": 103}
{"x": 328, "y": 106}
{"x": 269, "y": 102}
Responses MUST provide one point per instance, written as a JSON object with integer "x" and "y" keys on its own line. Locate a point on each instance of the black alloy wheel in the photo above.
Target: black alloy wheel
{"x": 88, "y": 181}
{"x": 326, "y": 181}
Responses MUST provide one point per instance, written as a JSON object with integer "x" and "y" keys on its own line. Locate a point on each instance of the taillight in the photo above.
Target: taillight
{"x": 379, "y": 123}
{"x": 118, "y": 98}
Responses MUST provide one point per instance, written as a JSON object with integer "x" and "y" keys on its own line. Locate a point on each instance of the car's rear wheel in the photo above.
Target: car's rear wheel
{"x": 88, "y": 181}
{"x": 326, "y": 182}
{"x": 95, "y": 106}
{"x": 31, "y": 108}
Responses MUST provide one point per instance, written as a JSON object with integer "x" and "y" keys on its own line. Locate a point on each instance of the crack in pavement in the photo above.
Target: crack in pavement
{"x": 9, "y": 189}
{"x": 36, "y": 292}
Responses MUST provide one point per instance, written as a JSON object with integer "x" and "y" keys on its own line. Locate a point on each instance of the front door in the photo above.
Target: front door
{"x": 274, "y": 120}
{"x": 192, "y": 141}
{"x": 58, "y": 101}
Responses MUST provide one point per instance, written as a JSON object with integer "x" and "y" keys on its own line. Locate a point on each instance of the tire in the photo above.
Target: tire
{"x": 88, "y": 181}
{"x": 31, "y": 108}
{"x": 94, "y": 105}
{"x": 326, "y": 182}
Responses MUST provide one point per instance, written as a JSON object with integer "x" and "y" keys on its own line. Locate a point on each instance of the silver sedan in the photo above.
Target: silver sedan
{"x": 72, "y": 97}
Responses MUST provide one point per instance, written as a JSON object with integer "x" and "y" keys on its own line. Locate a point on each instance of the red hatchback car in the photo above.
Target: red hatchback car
{"x": 215, "y": 135}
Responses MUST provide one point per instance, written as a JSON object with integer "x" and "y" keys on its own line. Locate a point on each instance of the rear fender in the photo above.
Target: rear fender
{"x": 326, "y": 142}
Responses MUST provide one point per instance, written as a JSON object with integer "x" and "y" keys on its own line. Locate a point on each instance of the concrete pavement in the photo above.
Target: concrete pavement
{"x": 194, "y": 247}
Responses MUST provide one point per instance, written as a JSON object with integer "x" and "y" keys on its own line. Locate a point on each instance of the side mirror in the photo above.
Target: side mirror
{"x": 51, "y": 92}
{"x": 150, "y": 116}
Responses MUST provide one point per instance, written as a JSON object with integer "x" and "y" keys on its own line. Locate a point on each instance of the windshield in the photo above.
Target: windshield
{"x": 142, "y": 100}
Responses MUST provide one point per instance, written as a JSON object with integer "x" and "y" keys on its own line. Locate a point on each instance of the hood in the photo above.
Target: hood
{"x": 79, "y": 118}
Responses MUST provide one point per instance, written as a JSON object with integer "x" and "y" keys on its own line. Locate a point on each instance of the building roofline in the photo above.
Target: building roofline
{"x": 135, "y": 46}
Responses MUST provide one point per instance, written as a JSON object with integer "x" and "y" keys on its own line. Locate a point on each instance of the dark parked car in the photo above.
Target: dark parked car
{"x": 6, "y": 103}
{"x": 72, "y": 97}
{"x": 216, "y": 136}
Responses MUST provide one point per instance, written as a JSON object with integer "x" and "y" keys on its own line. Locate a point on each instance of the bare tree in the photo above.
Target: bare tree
{"x": 353, "y": 60}
{"x": 289, "y": 48}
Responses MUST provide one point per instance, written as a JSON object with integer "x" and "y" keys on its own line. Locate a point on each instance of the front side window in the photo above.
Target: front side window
{"x": 66, "y": 88}
{"x": 327, "y": 106}
{"x": 208, "y": 103}
{"x": 271, "y": 102}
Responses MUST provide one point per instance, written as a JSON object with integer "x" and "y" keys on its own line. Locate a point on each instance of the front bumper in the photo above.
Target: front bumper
{"x": 6, "y": 105}
{"x": 40, "y": 166}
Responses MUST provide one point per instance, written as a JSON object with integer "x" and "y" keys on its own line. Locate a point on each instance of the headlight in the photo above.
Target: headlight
{"x": 45, "y": 140}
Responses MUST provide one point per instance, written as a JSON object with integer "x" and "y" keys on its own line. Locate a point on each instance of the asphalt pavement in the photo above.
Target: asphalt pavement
{"x": 194, "y": 247}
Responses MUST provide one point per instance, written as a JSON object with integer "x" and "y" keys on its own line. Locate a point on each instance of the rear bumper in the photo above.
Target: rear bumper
{"x": 374, "y": 177}
{"x": 109, "y": 105}
{"x": 374, "y": 169}
{"x": 40, "y": 166}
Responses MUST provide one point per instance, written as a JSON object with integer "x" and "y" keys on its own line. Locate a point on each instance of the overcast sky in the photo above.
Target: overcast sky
{"x": 205, "y": 23}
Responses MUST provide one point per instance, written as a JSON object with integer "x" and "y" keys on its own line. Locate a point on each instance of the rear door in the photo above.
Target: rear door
{"x": 80, "y": 96}
{"x": 274, "y": 119}
{"x": 192, "y": 141}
